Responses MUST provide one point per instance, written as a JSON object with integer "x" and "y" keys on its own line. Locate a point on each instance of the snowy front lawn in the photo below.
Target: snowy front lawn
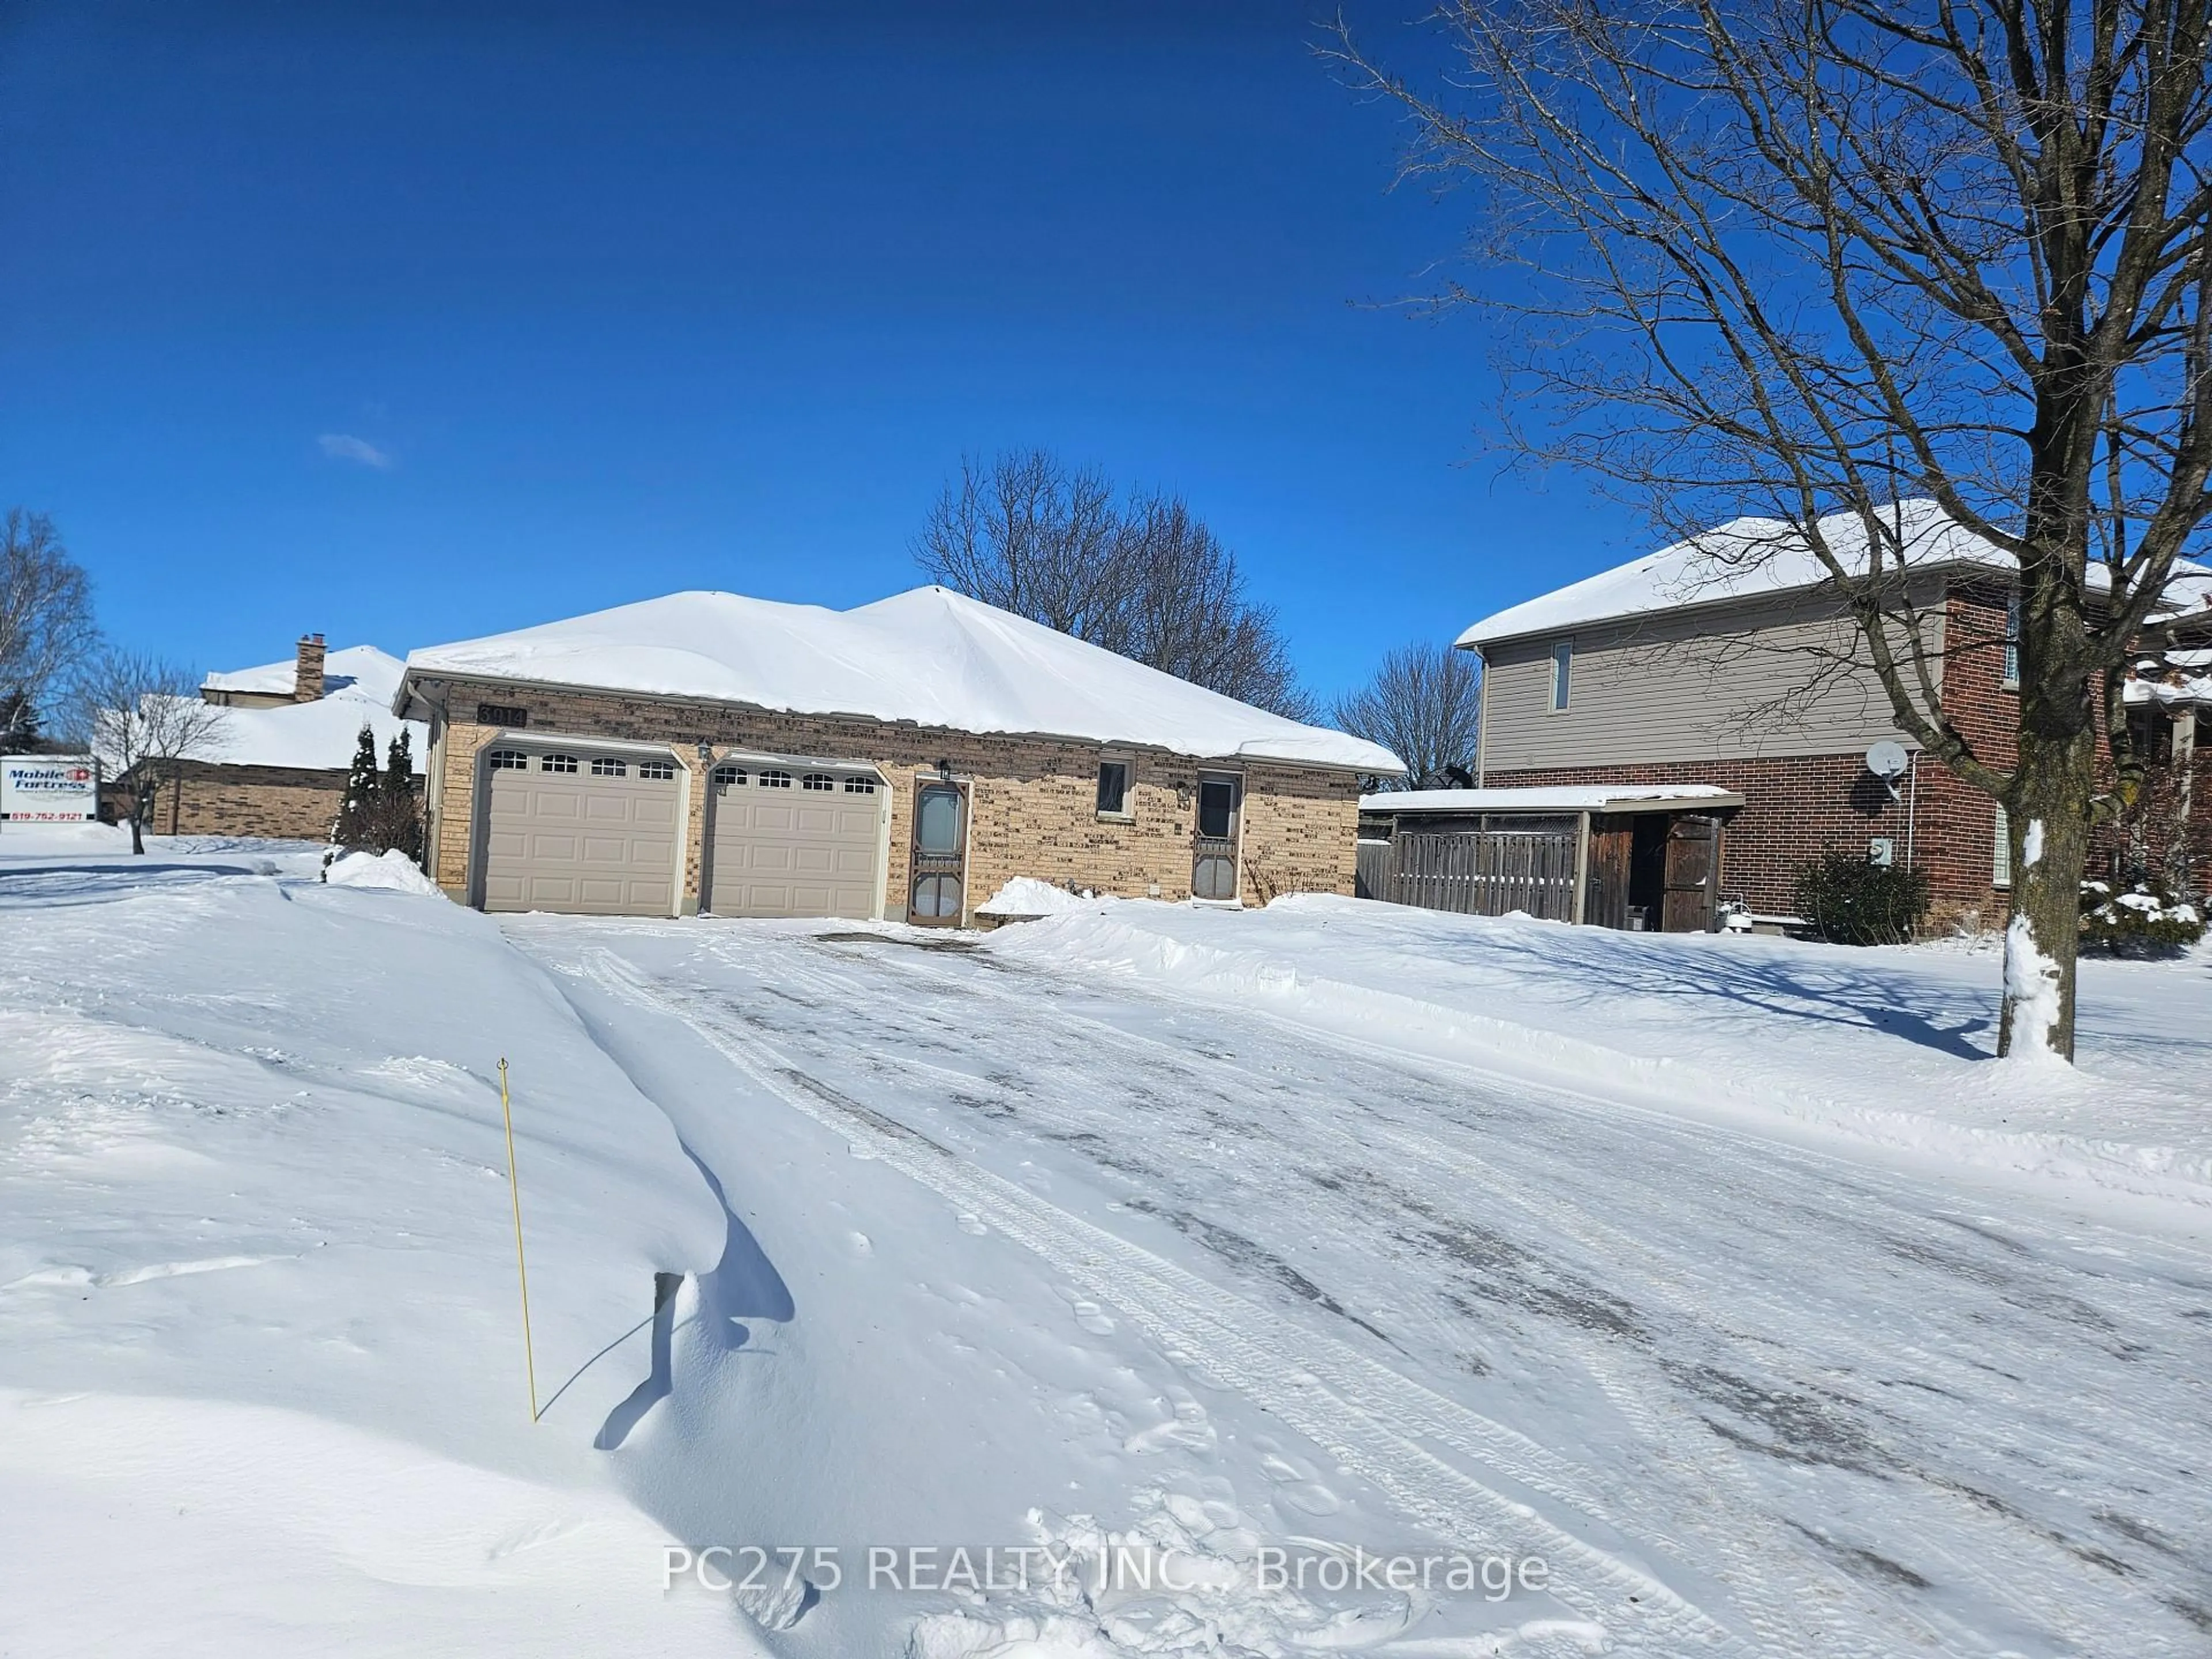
{"x": 1881, "y": 1049}
{"x": 1723, "y": 1279}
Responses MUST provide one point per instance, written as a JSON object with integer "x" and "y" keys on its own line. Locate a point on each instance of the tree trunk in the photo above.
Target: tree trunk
{"x": 2049, "y": 809}
{"x": 137, "y": 826}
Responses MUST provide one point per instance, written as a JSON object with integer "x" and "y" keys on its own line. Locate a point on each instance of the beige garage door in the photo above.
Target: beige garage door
{"x": 580, "y": 832}
{"x": 792, "y": 840}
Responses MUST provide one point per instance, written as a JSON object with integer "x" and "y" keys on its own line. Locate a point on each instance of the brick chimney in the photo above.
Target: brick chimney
{"x": 307, "y": 677}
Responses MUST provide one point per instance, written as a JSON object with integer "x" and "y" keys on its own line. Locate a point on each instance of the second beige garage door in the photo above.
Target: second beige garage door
{"x": 581, "y": 833}
{"x": 794, "y": 840}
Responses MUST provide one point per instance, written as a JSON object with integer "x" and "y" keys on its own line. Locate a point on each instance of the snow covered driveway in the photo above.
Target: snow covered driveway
{"x": 1726, "y": 1279}
{"x": 1020, "y": 1245}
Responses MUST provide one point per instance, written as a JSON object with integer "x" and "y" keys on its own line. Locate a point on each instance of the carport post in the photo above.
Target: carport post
{"x": 1582, "y": 863}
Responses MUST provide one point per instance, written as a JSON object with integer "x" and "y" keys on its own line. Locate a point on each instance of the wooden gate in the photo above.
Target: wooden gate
{"x": 1486, "y": 872}
{"x": 1693, "y": 868}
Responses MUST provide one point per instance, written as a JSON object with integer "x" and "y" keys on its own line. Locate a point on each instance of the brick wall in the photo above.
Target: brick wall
{"x": 1033, "y": 799}
{"x": 284, "y": 803}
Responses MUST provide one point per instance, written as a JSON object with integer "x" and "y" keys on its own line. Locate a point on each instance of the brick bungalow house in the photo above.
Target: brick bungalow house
{"x": 905, "y": 759}
{"x": 278, "y": 765}
{"x": 1728, "y": 663}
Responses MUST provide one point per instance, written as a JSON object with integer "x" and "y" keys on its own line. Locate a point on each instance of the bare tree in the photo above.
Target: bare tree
{"x": 1423, "y": 706}
{"x": 1811, "y": 258}
{"x": 45, "y": 621}
{"x": 1142, "y": 577}
{"x": 1030, "y": 535}
{"x": 145, "y": 719}
{"x": 1183, "y": 609}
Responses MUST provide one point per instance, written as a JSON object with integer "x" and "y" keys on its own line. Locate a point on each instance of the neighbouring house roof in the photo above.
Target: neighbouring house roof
{"x": 364, "y": 667}
{"x": 930, "y": 656}
{"x": 1555, "y": 798}
{"x": 1751, "y": 558}
{"x": 2183, "y": 680}
{"x": 359, "y": 684}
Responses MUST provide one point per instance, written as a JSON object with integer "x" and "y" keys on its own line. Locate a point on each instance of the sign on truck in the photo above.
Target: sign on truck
{"x": 49, "y": 789}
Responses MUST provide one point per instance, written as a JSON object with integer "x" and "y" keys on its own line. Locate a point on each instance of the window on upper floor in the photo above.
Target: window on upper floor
{"x": 1563, "y": 668}
{"x": 2150, "y": 733}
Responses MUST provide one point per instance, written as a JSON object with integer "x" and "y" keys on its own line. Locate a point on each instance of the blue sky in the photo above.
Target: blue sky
{"x": 407, "y": 323}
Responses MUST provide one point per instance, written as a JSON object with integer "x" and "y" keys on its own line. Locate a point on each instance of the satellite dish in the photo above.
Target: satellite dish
{"x": 1887, "y": 760}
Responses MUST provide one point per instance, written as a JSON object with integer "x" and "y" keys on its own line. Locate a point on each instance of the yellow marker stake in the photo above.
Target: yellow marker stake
{"x": 514, "y": 1186}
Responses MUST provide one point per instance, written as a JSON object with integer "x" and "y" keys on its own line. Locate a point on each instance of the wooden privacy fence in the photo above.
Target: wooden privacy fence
{"x": 1482, "y": 872}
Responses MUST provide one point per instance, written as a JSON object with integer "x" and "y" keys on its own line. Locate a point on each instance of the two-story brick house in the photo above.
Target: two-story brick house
{"x": 1728, "y": 660}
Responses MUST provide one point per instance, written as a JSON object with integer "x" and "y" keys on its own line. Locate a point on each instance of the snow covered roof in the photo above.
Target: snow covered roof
{"x": 2184, "y": 680}
{"x": 929, "y": 656}
{"x": 1556, "y": 798}
{"x": 1749, "y": 557}
{"x": 359, "y": 666}
{"x": 320, "y": 735}
{"x": 359, "y": 683}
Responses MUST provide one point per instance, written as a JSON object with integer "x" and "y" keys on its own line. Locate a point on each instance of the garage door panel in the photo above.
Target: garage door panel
{"x": 777, "y": 851}
{"x": 579, "y": 842}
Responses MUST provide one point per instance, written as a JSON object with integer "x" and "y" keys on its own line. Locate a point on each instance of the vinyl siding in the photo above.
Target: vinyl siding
{"x": 1744, "y": 682}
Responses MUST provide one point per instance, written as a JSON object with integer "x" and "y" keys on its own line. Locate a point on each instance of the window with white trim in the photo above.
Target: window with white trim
{"x": 820, "y": 782}
{"x": 657, "y": 771}
{"x": 2001, "y": 852}
{"x": 2011, "y": 640}
{"x": 508, "y": 760}
{"x": 727, "y": 776}
{"x": 604, "y": 767}
{"x": 1562, "y": 669}
{"x": 775, "y": 780}
{"x": 859, "y": 785}
{"x": 1113, "y": 789}
{"x": 556, "y": 762}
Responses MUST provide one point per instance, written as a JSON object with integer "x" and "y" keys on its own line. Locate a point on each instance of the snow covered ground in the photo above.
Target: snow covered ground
{"x": 1723, "y": 1277}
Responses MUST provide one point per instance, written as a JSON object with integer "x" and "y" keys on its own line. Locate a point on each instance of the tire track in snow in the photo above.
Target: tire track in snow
{"x": 1372, "y": 1420}
{"x": 1782, "y": 1616}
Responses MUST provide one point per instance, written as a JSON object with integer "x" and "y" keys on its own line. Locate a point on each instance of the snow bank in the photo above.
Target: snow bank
{"x": 1879, "y": 1050}
{"x": 259, "y": 1345}
{"x": 41, "y": 840}
{"x": 1025, "y": 896}
{"x": 393, "y": 871}
{"x": 251, "y": 1530}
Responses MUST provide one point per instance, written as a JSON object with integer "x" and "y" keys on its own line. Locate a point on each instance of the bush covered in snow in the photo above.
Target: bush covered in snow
{"x": 2145, "y": 920}
{"x": 1850, "y": 900}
